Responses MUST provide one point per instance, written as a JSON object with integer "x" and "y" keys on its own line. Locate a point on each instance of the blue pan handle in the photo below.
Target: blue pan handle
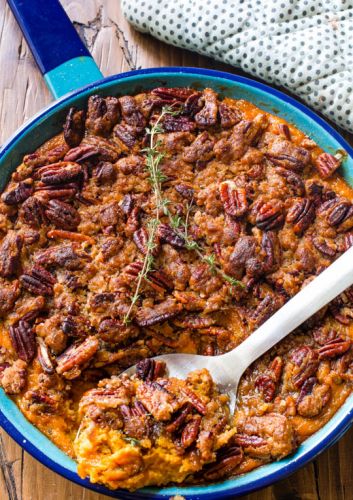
{"x": 63, "y": 59}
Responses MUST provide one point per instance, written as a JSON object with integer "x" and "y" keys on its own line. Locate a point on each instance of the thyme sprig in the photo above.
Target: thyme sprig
{"x": 153, "y": 159}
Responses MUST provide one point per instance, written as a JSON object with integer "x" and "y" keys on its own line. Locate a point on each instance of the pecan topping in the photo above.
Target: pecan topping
{"x": 74, "y": 127}
{"x": 150, "y": 369}
{"x": 168, "y": 235}
{"x": 38, "y": 281}
{"x": 334, "y": 348}
{"x": 59, "y": 173}
{"x": 23, "y": 340}
{"x": 62, "y": 215}
{"x": 301, "y": 215}
{"x": 270, "y": 216}
{"x": 19, "y": 193}
{"x": 233, "y": 199}
{"x": 327, "y": 164}
{"x": 70, "y": 361}
{"x": 10, "y": 252}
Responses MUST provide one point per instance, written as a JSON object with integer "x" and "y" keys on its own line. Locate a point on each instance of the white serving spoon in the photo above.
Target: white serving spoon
{"x": 227, "y": 369}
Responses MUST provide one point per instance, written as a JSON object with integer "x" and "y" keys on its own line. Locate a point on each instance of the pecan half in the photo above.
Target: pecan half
{"x": 267, "y": 383}
{"x": 307, "y": 363}
{"x": 270, "y": 216}
{"x": 131, "y": 113}
{"x": 271, "y": 248}
{"x": 301, "y": 215}
{"x": 168, "y": 235}
{"x": 180, "y": 94}
{"x": 326, "y": 164}
{"x": 200, "y": 150}
{"x": 268, "y": 306}
{"x": 140, "y": 238}
{"x": 194, "y": 322}
{"x": 38, "y": 280}
{"x": 227, "y": 461}
{"x": 69, "y": 256}
{"x": 229, "y": 115}
{"x": 19, "y": 193}
{"x": 102, "y": 114}
{"x": 233, "y": 198}
{"x": 207, "y": 117}
{"x": 62, "y": 215}
{"x": 59, "y": 173}
{"x": 127, "y": 134}
{"x": 191, "y": 432}
{"x": 23, "y": 340}
{"x": 179, "y": 418}
{"x": 177, "y": 124}
{"x": 10, "y": 252}
{"x": 339, "y": 213}
{"x": 44, "y": 356}
{"x": 114, "y": 331}
{"x": 105, "y": 173}
{"x": 160, "y": 281}
{"x": 74, "y": 127}
{"x": 150, "y": 369}
{"x": 324, "y": 247}
{"x": 334, "y": 348}
{"x": 70, "y": 361}
{"x": 148, "y": 316}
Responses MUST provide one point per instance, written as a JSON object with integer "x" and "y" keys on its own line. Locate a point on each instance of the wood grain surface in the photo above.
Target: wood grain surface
{"x": 116, "y": 47}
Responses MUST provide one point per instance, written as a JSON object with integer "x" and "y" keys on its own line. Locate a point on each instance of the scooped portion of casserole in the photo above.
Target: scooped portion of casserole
{"x": 173, "y": 220}
{"x": 153, "y": 430}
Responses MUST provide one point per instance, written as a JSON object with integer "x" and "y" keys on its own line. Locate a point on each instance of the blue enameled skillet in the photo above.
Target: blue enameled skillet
{"x": 66, "y": 66}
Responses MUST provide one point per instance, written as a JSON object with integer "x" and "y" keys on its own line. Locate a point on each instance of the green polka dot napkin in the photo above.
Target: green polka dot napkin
{"x": 303, "y": 45}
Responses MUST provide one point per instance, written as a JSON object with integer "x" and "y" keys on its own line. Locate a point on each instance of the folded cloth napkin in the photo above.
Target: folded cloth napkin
{"x": 303, "y": 45}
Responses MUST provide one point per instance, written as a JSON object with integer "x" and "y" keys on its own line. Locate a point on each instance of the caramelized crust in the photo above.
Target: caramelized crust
{"x": 265, "y": 212}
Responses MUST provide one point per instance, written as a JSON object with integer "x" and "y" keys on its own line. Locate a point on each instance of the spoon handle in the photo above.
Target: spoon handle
{"x": 319, "y": 292}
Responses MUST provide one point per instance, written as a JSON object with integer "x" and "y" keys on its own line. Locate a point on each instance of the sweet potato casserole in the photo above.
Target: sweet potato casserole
{"x": 171, "y": 221}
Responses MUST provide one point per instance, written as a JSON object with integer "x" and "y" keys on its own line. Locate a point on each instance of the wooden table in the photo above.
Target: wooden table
{"x": 116, "y": 48}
